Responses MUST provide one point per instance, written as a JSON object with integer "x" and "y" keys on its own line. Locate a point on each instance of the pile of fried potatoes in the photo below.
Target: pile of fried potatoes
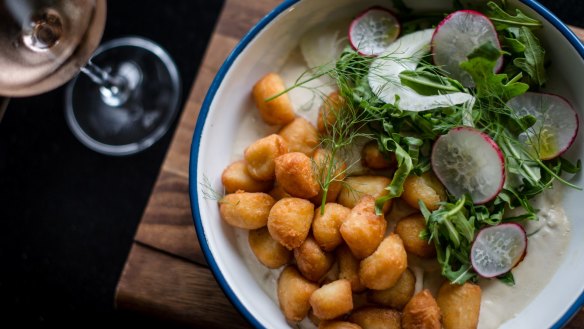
{"x": 342, "y": 268}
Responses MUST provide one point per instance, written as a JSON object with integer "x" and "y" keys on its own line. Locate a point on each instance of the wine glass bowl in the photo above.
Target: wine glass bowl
{"x": 136, "y": 110}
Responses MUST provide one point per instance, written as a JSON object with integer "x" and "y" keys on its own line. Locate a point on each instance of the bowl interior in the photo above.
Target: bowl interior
{"x": 215, "y": 146}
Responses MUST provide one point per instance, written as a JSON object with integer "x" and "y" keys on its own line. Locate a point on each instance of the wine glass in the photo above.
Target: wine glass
{"x": 128, "y": 94}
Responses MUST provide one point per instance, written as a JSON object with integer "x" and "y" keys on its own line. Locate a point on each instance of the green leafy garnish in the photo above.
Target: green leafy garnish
{"x": 481, "y": 65}
{"x": 410, "y": 135}
{"x": 533, "y": 62}
{"x": 502, "y": 20}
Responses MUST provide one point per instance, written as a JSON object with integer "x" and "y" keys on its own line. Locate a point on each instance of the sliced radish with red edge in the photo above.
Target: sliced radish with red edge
{"x": 467, "y": 160}
{"x": 556, "y": 127}
{"x": 498, "y": 249}
{"x": 372, "y": 31}
{"x": 458, "y": 35}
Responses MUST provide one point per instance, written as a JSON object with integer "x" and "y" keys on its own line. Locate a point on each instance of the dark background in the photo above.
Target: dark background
{"x": 68, "y": 214}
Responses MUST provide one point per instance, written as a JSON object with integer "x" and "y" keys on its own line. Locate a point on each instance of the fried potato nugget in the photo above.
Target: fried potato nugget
{"x": 426, "y": 188}
{"x": 289, "y": 221}
{"x": 326, "y": 225}
{"x": 294, "y": 293}
{"x": 261, "y": 154}
{"x": 278, "y": 193}
{"x": 363, "y": 230}
{"x": 278, "y": 111}
{"x": 421, "y": 312}
{"x": 409, "y": 229}
{"x": 460, "y": 305}
{"x": 312, "y": 261}
{"x": 294, "y": 172}
{"x": 338, "y": 325}
{"x": 267, "y": 250}
{"x": 385, "y": 266}
{"x": 349, "y": 268}
{"x": 301, "y": 136}
{"x": 322, "y": 160}
{"x": 332, "y": 300}
{"x": 245, "y": 209}
{"x": 374, "y": 159}
{"x": 330, "y": 111}
{"x": 376, "y": 318}
{"x": 397, "y": 296}
{"x": 354, "y": 188}
{"x": 236, "y": 177}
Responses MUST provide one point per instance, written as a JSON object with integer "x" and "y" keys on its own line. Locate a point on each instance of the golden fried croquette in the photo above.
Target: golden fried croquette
{"x": 338, "y": 325}
{"x": 335, "y": 169}
{"x": 267, "y": 250}
{"x": 261, "y": 154}
{"x": 295, "y": 173}
{"x": 330, "y": 111}
{"x": 376, "y": 318}
{"x": 245, "y": 209}
{"x": 278, "y": 193}
{"x": 374, "y": 159}
{"x": 426, "y": 188}
{"x": 397, "y": 296}
{"x": 327, "y": 224}
{"x": 385, "y": 266}
{"x": 294, "y": 292}
{"x": 312, "y": 261}
{"x": 354, "y": 188}
{"x": 289, "y": 221}
{"x": 349, "y": 268}
{"x": 409, "y": 229}
{"x": 460, "y": 305}
{"x": 236, "y": 177}
{"x": 301, "y": 136}
{"x": 363, "y": 230}
{"x": 278, "y": 111}
{"x": 421, "y": 312}
{"x": 332, "y": 300}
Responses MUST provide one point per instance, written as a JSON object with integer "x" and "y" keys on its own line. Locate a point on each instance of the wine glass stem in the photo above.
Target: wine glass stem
{"x": 114, "y": 89}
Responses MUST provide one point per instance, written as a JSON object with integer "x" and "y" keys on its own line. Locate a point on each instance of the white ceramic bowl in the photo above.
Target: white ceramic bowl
{"x": 264, "y": 49}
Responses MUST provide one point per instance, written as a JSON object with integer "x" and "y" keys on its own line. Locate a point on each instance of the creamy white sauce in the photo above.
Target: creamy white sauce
{"x": 547, "y": 242}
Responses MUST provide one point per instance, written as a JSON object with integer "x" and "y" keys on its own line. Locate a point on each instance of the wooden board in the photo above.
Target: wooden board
{"x": 165, "y": 274}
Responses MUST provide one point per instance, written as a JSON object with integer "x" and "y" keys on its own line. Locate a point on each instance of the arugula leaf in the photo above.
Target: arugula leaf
{"x": 452, "y": 233}
{"x": 502, "y": 20}
{"x": 406, "y": 160}
{"x": 513, "y": 44}
{"x": 429, "y": 83}
{"x": 481, "y": 65}
{"x": 533, "y": 62}
{"x": 507, "y": 278}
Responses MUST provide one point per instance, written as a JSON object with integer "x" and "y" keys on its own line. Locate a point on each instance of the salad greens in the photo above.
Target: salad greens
{"x": 409, "y": 135}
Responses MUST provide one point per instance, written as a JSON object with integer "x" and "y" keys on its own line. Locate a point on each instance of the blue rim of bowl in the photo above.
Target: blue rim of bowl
{"x": 245, "y": 41}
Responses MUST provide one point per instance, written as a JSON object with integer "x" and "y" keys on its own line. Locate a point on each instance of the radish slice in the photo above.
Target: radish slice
{"x": 323, "y": 44}
{"x": 556, "y": 127}
{"x": 457, "y": 36}
{"x": 467, "y": 160}
{"x": 498, "y": 249}
{"x": 372, "y": 31}
{"x": 405, "y": 54}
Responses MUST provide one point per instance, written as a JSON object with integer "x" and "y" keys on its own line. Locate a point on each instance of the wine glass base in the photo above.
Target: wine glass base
{"x": 117, "y": 126}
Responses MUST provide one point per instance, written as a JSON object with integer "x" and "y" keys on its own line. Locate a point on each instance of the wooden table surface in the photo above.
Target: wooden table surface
{"x": 165, "y": 275}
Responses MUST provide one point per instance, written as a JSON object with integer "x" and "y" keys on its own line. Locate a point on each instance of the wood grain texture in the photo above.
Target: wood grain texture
{"x": 167, "y": 223}
{"x": 162, "y": 276}
{"x": 166, "y": 287}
